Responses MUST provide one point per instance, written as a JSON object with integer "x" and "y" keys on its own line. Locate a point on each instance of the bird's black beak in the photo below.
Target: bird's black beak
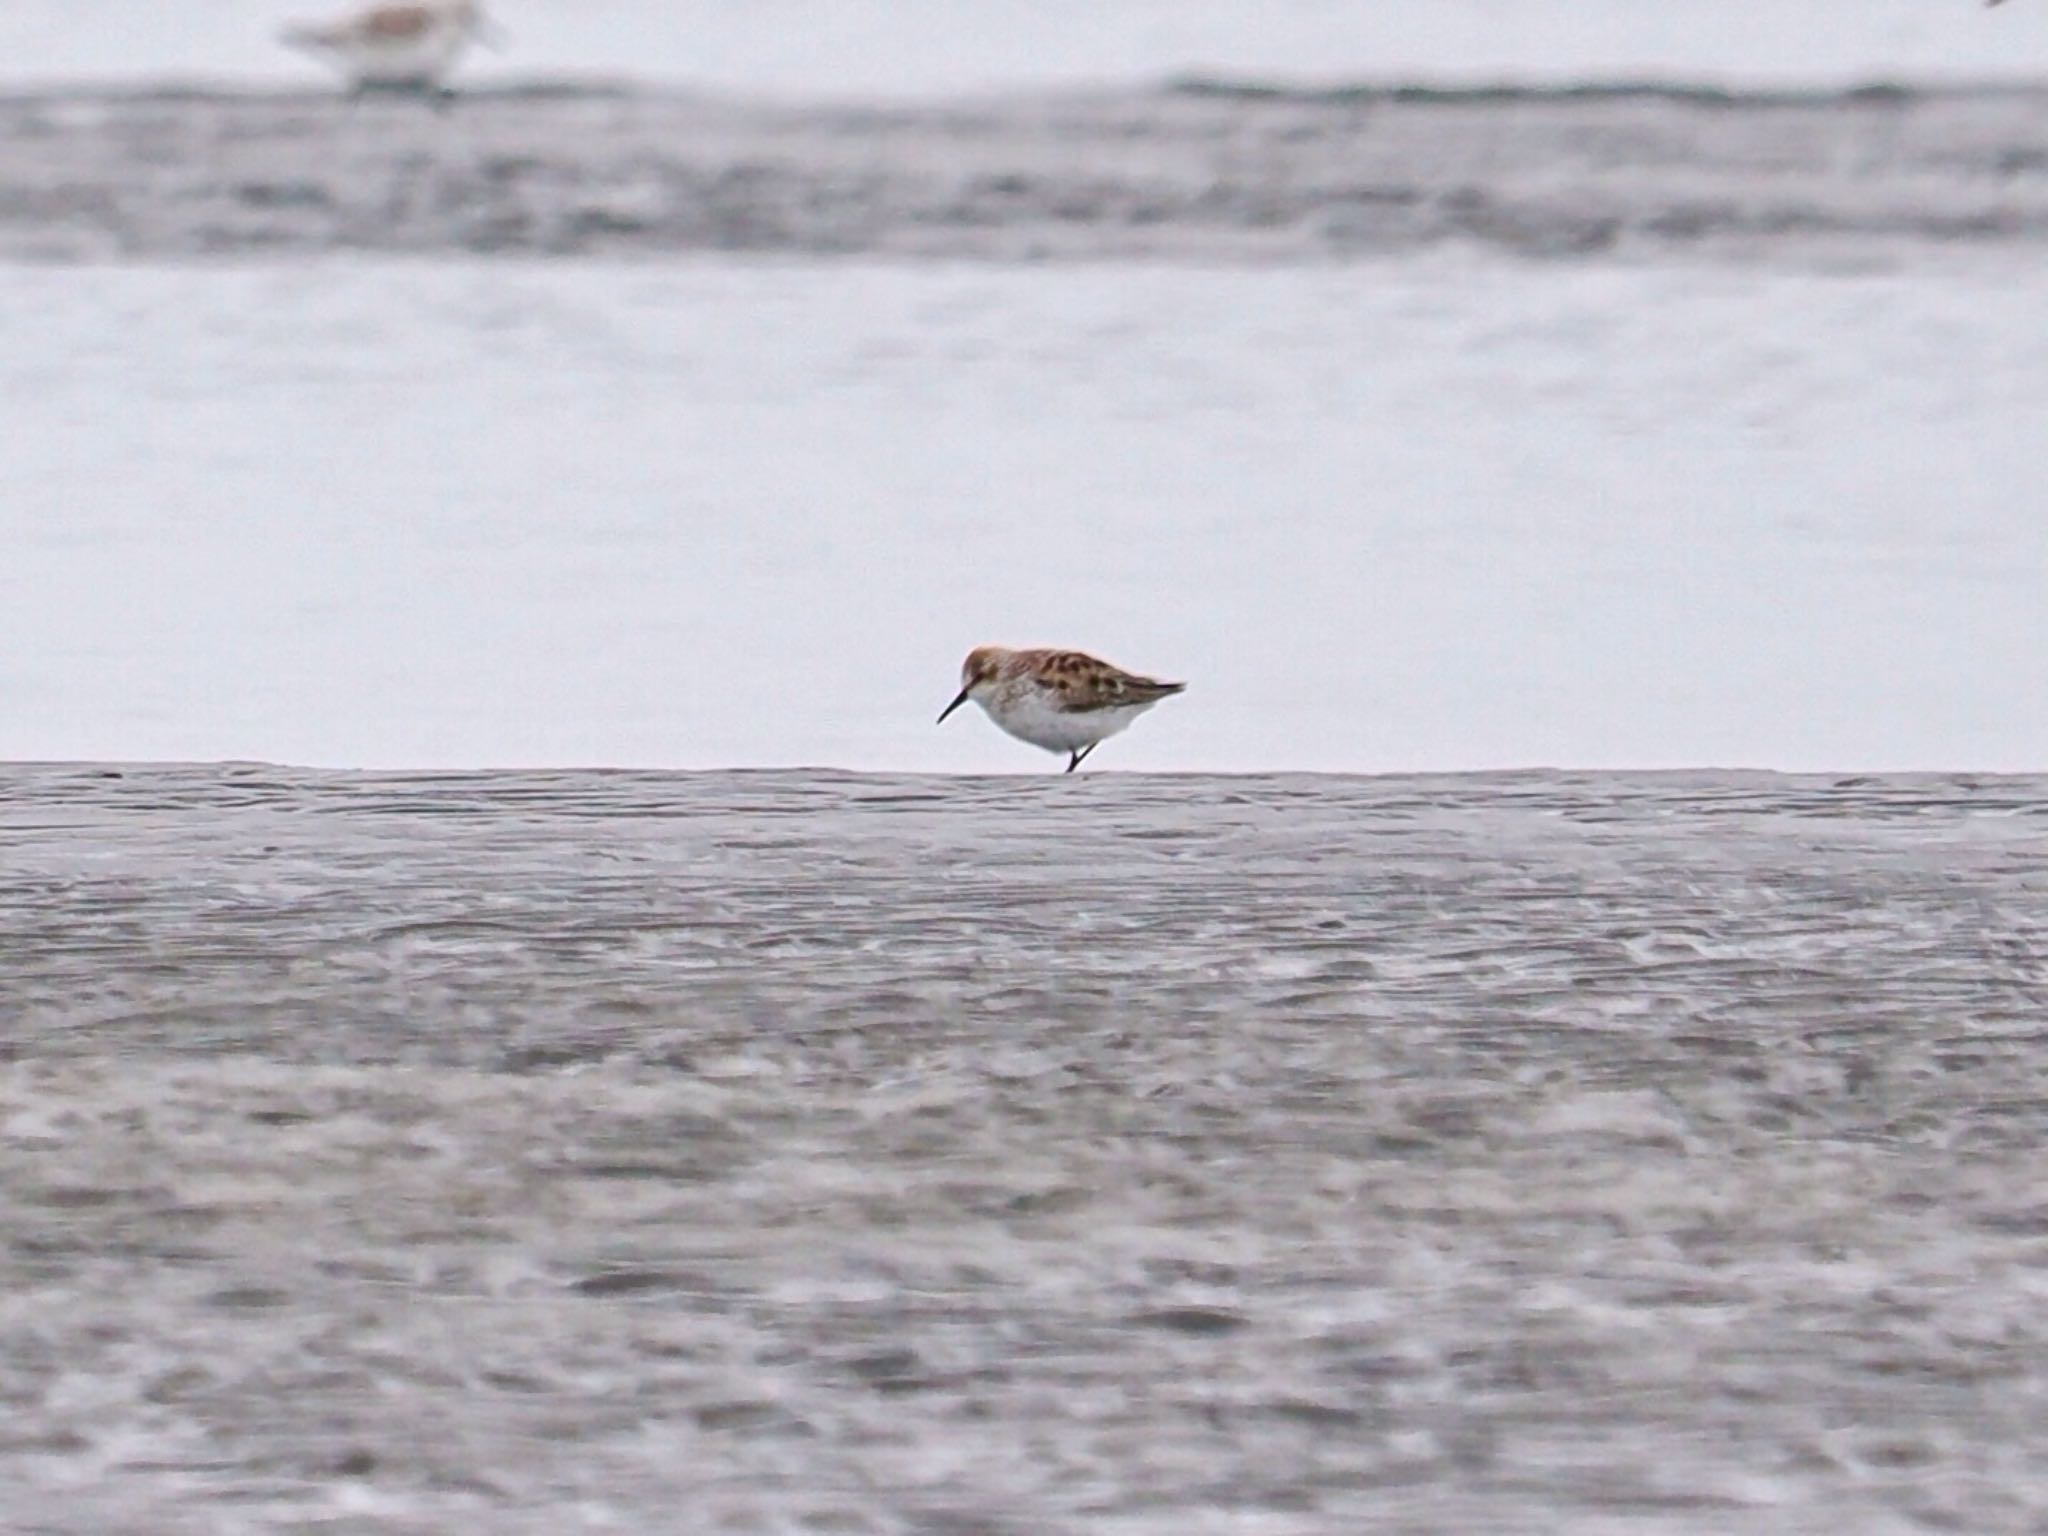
{"x": 954, "y": 705}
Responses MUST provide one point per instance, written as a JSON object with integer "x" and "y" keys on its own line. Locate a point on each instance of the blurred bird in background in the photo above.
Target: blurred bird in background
{"x": 398, "y": 47}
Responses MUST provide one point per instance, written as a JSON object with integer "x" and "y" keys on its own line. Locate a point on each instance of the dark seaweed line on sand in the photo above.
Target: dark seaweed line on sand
{"x": 1689, "y": 93}
{"x": 1198, "y": 85}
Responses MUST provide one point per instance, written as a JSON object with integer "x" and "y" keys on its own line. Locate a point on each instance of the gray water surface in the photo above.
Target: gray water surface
{"x": 816, "y": 1152}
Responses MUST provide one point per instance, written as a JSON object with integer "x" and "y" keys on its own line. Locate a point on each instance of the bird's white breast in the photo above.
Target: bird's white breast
{"x": 1033, "y": 714}
{"x": 422, "y": 58}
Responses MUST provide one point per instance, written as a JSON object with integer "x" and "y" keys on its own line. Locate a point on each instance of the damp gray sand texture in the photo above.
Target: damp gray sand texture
{"x": 1199, "y": 171}
{"x": 809, "y": 1152}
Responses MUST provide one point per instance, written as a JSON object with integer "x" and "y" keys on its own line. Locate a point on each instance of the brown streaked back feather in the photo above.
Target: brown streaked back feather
{"x": 1085, "y": 682}
{"x": 396, "y": 21}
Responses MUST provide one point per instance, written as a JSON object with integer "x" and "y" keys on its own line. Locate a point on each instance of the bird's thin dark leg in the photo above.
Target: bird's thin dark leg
{"x": 1075, "y": 762}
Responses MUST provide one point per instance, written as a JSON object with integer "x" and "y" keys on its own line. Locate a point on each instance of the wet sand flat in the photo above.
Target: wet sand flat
{"x": 557, "y": 1151}
{"x": 1202, "y": 169}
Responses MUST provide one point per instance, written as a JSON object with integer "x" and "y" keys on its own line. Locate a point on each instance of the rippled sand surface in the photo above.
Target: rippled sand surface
{"x": 818, "y": 1152}
{"x": 1204, "y": 170}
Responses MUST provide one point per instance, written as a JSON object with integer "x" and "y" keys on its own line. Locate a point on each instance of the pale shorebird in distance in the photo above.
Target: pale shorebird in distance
{"x": 398, "y": 47}
{"x": 1063, "y": 701}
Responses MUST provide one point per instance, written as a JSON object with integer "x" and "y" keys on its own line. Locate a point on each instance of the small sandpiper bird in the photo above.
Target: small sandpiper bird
{"x": 397, "y": 47}
{"x": 1063, "y": 701}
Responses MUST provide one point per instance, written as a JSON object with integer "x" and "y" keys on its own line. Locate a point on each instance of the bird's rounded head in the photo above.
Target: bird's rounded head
{"x": 984, "y": 664}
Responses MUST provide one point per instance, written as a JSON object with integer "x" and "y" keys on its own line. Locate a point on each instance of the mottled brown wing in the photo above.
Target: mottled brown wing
{"x": 396, "y": 21}
{"x": 1084, "y": 683}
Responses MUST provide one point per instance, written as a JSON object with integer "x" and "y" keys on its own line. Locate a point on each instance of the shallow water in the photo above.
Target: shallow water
{"x": 551, "y": 1151}
{"x": 1454, "y": 513}
{"x": 895, "y": 46}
